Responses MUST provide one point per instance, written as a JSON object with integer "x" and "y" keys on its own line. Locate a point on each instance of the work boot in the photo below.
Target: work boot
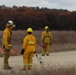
{"x": 47, "y": 54}
{"x": 7, "y": 68}
{"x": 23, "y": 69}
{"x": 43, "y": 54}
{"x": 29, "y": 67}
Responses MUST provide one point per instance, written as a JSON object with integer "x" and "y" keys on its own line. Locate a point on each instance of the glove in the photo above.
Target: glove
{"x": 22, "y": 51}
{"x": 42, "y": 45}
{"x": 34, "y": 51}
{"x": 7, "y": 49}
{"x": 10, "y": 46}
{"x": 14, "y": 25}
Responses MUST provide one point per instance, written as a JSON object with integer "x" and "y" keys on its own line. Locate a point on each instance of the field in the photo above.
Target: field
{"x": 57, "y": 63}
{"x": 61, "y": 60}
{"x": 61, "y": 41}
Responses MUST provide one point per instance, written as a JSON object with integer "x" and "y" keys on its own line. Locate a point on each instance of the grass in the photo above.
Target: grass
{"x": 61, "y": 41}
{"x": 42, "y": 71}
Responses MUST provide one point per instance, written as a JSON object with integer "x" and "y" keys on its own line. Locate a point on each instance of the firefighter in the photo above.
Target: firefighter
{"x": 7, "y": 44}
{"x": 28, "y": 50}
{"x": 46, "y": 41}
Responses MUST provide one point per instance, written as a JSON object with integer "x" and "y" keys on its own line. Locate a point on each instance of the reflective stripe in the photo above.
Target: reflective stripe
{"x": 9, "y": 45}
{"x": 31, "y": 42}
{"x": 30, "y": 64}
{"x": 27, "y": 64}
{"x": 47, "y": 52}
{"x": 47, "y": 34}
{"x": 43, "y": 52}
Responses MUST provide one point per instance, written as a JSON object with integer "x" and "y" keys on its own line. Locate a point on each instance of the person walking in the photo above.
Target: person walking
{"x": 28, "y": 50}
{"x": 7, "y": 44}
{"x": 46, "y": 41}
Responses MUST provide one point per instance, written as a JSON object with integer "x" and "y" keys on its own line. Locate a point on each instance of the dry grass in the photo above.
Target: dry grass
{"x": 62, "y": 40}
{"x": 42, "y": 71}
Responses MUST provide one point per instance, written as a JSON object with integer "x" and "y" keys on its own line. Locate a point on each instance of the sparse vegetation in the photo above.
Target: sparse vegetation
{"x": 61, "y": 41}
{"x": 42, "y": 71}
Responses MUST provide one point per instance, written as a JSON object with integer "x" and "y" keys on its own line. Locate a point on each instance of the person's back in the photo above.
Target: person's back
{"x": 30, "y": 42}
{"x": 28, "y": 49}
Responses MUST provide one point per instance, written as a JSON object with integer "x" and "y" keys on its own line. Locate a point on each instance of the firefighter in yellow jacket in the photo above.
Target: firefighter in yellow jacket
{"x": 46, "y": 41}
{"x": 7, "y": 44}
{"x": 28, "y": 49}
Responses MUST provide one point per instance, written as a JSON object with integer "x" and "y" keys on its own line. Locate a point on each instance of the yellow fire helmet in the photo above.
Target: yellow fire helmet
{"x": 29, "y": 30}
{"x": 46, "y": 27}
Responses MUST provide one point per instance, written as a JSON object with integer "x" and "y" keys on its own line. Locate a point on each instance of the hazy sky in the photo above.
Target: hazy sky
{"x": 58, "y": 4}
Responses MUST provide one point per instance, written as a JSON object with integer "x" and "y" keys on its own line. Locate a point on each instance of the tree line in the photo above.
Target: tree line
{"x": 37, "y": 18}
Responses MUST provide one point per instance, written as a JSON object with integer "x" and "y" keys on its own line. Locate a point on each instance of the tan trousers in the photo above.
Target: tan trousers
{"x": 6, "y": 57}
{"x": 46, "y": 49}
{"x": 28, "y": 59}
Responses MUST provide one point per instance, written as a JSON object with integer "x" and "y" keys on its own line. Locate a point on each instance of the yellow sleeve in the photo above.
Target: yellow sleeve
{"x": 6, "y": 40}
{"x": 24, "y": 43}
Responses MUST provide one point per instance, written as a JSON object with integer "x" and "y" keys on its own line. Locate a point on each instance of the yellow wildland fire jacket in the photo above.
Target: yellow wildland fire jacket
{"x": 46, "y": 37}
{"x": 6, "y": 40}
{"x": 29, "y": 43}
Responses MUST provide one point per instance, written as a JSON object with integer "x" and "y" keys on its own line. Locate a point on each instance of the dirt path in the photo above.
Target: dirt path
{"x": 58, "y": 59}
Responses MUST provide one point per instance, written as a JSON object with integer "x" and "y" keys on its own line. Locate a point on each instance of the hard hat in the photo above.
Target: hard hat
{"x": 46, "y": 27}
{"x": 29, "y": 30}
{"x": 10, "y": 22}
